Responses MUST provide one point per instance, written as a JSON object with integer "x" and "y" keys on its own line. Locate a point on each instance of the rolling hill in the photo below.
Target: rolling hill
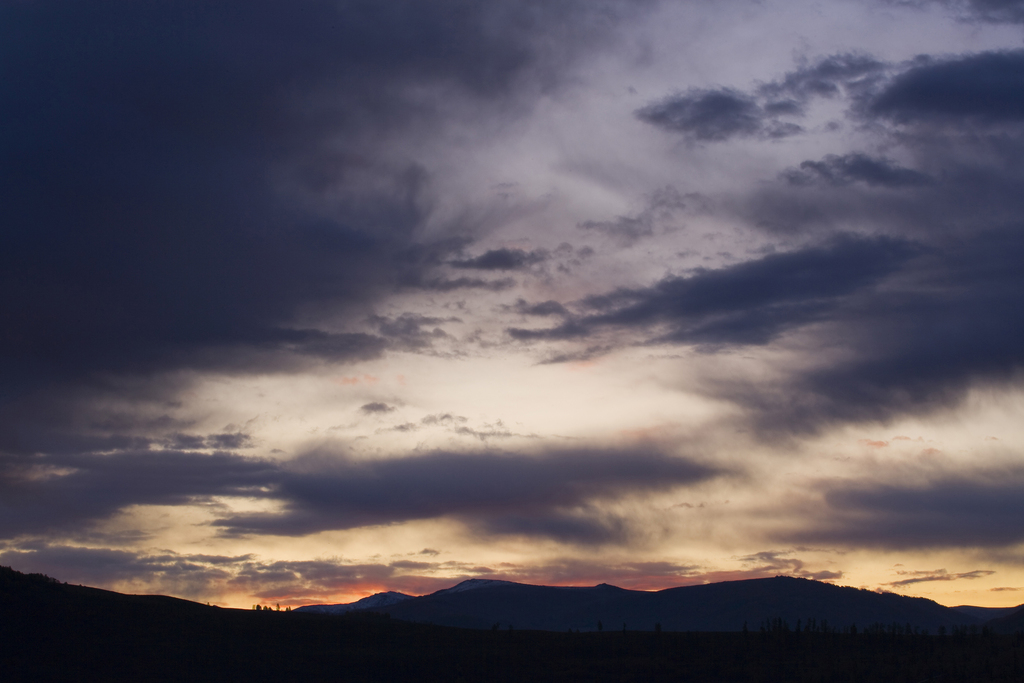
{"x": 50, "y": 631}
{"x": 725, "y": 606}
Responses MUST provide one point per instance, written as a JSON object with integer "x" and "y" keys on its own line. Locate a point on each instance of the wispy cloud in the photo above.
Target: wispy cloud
{"x": 936, "y": 575}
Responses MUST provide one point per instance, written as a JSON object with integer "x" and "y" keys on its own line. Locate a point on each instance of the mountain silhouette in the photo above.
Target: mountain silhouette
{"x": 987, "y": 613}
{"x": 375, "y": 602}
{"x": 1011, "y": 623}
{"x": 51, "y": 631}
{"x": 726, "y": 606}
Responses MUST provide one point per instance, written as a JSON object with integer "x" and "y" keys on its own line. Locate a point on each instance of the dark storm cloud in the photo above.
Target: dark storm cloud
{"x": 951, "y": 324}
{"x": 718, "y": 114}
{"x": 995, "y": 11}
{"x": 714, "y": 115}
{"x": 546, "y": 495}
{"x": 504, "y": 259}
{"x": 589, "y": 525}
{"x": 982, "y": 88}
{"x": 949, "y": 321}
{"x": 706, "y": 114}
{"x": 551, "y": 495}
{"x": 998, "y": 10}
{"x": 850, "y": 168}
{"x": 326, "y": 345}
{"x": 753, "y": 302}
{"x": 62, "y": 494}
{"x": 749, "y": 303}
{"x": 986, "y": 87}
{"x": 944, "y": 321}
{"x": 972, "y": 509}
{"x": 190, "y": 176}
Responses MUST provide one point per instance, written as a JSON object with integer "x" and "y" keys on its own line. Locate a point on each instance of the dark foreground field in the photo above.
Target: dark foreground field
{"x": 70, "y": 633}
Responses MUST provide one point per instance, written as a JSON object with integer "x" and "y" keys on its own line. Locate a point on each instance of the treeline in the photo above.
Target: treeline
{"x": 268, "y": 608}
{"x": 780, "y": 625}
{"x": 239, "y": 645}
{"x": 11, "y": 579}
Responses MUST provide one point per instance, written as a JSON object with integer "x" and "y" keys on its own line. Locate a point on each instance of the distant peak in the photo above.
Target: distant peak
{"x": 375, "y": 601}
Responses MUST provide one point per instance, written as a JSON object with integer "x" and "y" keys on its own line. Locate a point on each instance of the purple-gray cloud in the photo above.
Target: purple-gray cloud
{"x": 503, "y": 259}
{"x": 852, "y": 168}
{"x": 551, "y": 494}
{"x": 717, "y": 115}
{"x": 971, "y": 509}
{"x": 986, "y": 87}
{"x": 65, "y": 494}
{"x": 749, "y": 303}
{"x": 168, "y": 158}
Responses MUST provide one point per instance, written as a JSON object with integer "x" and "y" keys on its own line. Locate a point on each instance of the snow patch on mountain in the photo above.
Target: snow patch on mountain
{"x": 473, "y": 584}
{"x": 376, "y": 601}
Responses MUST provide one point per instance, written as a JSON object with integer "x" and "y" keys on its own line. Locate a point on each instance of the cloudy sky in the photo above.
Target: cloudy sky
{"x": 304, "y": 301}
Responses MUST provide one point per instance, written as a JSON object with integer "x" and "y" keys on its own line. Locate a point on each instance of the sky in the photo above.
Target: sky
{"x": 306, "y": 301}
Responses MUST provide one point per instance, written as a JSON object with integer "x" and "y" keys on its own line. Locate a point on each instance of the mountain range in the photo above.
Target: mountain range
{"x": 53, "y": 631}
{"x": 725, "y": 606}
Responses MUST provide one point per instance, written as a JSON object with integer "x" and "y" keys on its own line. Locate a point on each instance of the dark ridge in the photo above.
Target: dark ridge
{"x": 725, "y": 606}
{"x": 987, "y": 613}
{"x": 1011, "y": 623}
{"x": 50, "y": 631}
{"x": 47, "y": 595}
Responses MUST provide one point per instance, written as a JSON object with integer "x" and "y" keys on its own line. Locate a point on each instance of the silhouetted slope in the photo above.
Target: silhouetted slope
{"x": 375, "y": 602}
{"x": 726, "y": 606}
{"x": 722, "y": 606}
{"x": 53, "y": 632}
{"x": 1011, "y": 623}
{"x": 50, "y": 598}
{"x": 987, "y": 613}
{"x": 548, "y": 608}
